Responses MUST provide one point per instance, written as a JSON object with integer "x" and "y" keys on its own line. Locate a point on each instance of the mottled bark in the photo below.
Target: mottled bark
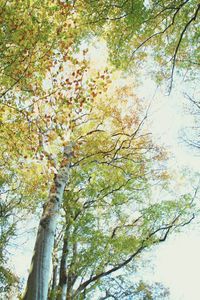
{"x": 37, "y": 284}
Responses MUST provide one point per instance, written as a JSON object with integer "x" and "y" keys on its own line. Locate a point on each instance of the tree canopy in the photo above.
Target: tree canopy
{"x": 164, "y": 31}
{"x": 75, "y": 145}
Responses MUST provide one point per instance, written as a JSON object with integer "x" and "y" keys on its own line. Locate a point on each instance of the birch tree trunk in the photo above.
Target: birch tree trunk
{"x": 38, "y": 280}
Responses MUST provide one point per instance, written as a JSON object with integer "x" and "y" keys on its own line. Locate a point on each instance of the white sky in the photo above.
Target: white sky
{"x": 177, "y": 264}
{"x": 177, "y": 261}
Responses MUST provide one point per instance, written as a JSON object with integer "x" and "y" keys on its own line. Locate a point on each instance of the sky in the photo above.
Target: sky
{"x": 175, "y": 263}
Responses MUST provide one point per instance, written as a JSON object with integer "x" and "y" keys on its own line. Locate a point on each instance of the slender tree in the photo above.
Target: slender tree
{"x": 55, "y": 145}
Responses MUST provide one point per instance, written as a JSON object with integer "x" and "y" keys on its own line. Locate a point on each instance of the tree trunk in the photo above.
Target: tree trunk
{"x": 53, "y": 286}
{"x": 62, "y": 286}
{"x": 68, "y": 296}
{"x": 52, "y": 292}
{"x": 37, "y": 284}
{"x": 55, "y": 273}
{"x": 72, "y": 276}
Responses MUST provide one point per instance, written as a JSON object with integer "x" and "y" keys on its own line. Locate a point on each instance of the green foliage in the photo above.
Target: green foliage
{"x": 167, "y": 31}
{"x": 51, "y": 97}
{"x": 8, "y": 207}
{"x": 31, "y": 34}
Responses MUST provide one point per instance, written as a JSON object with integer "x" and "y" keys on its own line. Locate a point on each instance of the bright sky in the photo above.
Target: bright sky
{"x": 177, "y": 265}
{"x": 177, "y": 261}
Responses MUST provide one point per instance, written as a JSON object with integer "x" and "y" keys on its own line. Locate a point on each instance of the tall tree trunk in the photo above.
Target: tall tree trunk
{"x": 53, "y": 286}
{"x": 69, "y": 296}
{"x": 55, "y": 273}
{"x": 72, "y": 274}
{"x": 52, "y": 291}
{"x": 37, "y": 284}
{"x": 62, "y": 286}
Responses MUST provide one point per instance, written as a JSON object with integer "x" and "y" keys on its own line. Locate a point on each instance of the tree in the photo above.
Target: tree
{"x": 56, "y": 145}
{"x": 107, "y": 221}
{"x": 166, "y": 31}
{"x": 32, "y": 32}
{"x": 40, "y": 106}
{"x": 46, "y": 126}
{"x": 96, "y": 244}
{"x": 76, "y": 125}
